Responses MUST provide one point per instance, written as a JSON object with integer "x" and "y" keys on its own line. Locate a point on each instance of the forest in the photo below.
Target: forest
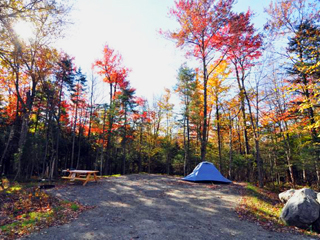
{"x": 250, "y": 105}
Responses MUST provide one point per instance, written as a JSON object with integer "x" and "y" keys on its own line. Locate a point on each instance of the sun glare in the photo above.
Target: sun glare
{"x": 24, "y": 30}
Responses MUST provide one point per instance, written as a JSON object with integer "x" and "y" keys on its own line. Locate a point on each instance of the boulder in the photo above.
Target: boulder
{"x": 302, "y": 209}
{"x": 285, "y": 196}
{"x": 318, "y": 197}
{"x": 309, "y": 192}
{"x": 316, "y": 226}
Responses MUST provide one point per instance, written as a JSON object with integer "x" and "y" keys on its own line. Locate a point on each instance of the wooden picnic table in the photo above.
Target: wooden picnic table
{"x": 82, "y": 175}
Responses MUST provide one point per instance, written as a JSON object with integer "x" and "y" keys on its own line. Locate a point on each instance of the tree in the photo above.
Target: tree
{"x": 289, "y": 20}
{"x": 141, "y": 120}
{"x": 243, "y": 48}
{"x": 30, "y": 58}
{"x": 216, "y": 90}
{"x": 93, "y": 87}
{"x": 78, "y": 100}
{"x": 64, "y": 79}
{"x": 110, "y": 67}
{"x": 285, "y": 15}
{"x": 126, "y": 98}
{"x": 15, "y": 9}
{"x": 232, "y": 109}
{"x": 167, "y": 107}
{"x": 185, "y": 87}
{"x": 201, "y": 23}
{"x": 304, "y": 69}
{"x": 279, "y": 116}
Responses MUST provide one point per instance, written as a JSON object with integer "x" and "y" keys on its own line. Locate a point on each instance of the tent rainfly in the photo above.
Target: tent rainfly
{"x": 206, "y": 171}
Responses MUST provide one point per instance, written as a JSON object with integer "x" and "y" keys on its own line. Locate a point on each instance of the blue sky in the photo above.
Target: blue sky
{"x": 131, "y": 28}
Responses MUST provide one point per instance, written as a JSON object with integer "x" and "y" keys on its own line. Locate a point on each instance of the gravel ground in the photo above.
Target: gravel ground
{"x": 156, "y": 207}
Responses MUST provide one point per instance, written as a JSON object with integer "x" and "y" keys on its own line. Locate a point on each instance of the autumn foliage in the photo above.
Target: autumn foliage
{"x": 246, "y": 104}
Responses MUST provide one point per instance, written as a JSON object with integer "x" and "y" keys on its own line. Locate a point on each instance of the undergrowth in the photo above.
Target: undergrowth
{"x": 264, "y": 207}
{"x": 25, "y": 209}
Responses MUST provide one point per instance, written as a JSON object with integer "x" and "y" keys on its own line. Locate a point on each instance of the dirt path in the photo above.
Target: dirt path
{"x": 155, "y": 207}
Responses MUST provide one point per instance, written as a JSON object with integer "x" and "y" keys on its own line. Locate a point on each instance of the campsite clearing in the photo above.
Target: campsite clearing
{"x": 156, "y": 207}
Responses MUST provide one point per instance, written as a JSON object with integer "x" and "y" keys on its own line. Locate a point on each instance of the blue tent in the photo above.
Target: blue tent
{"x": 206, "y": 171}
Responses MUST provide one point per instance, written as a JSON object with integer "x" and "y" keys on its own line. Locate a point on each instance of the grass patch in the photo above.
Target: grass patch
{"x": 13, "y": 189}
{"x": 264, "y": 207}
{"x": 74, "y": 207}
{"x": 114, "y": 175}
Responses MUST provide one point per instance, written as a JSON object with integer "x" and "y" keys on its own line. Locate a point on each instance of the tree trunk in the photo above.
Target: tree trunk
{"x": 74, "y": 134}
{"x": 21, "y": 144}
{"x": 124, "y": 142}
{"x": 204, "y": 128}
{"x": 219, "y": 137}
{"x": 184, "y": 146}
{"x": 230, "y": 147}
{"x": 256, "y": 138}
{"x": 243, "y": 109}
{"x": 109, "y": 130}
{"x": 102, "y": 138}
{"x": 140, "y": 147}
{"x": 79, "y": 148}
{"x": 10, "y": 137}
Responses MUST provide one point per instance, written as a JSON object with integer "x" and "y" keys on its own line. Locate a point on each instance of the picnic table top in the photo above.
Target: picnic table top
{"x": 82, "y": 171}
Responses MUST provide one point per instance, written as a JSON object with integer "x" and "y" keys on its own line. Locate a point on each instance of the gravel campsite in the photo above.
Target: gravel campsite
{"x": 156, "y": 207}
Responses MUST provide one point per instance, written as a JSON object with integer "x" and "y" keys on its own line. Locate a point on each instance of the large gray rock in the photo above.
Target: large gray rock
{"x": 285, "y": 196}
{"x": 316, "y": 226}
{"x": 318, "y": 197}
{"x": 302, "y": 209}
{"x": 309, "y": 192}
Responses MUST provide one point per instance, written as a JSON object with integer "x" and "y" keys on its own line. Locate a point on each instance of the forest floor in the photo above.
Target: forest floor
{"x": 156, "y": 207}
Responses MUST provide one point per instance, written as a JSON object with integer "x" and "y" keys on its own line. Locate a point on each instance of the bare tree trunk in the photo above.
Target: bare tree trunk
{"x": 203, "y": 149}
{"x": 21, "y": 144}
{"x": 149, "y": 164}
{"x": 184, "y": 146}
{"x": 140, "y": 147}
{"x": 74, "y": 134}
{"x": 102, "y": 144}
{"x": 256, "y": 139}
{"x": 243, "y": 110}
{"x": 79, "y": 148}
{"x": 230, "y": 147}
{"x": 110, "y": 124}
{"x": 10, "y": 137}
{"x": 219, "y": 137}
{"x": 289, "y": 156}
{"x": 124, "y": 142}
{"x": 93, "y": 84}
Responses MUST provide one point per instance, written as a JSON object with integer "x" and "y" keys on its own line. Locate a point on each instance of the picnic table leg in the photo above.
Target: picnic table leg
{"x": 87, "y": 179}
{"x": 95, "y": 177}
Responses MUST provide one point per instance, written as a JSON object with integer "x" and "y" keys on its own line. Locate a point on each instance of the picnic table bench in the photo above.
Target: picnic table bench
{"x": 82, "y": 175}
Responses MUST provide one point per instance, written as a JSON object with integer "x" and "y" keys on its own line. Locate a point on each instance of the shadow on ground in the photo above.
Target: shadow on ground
{"x": 156, "y": 207}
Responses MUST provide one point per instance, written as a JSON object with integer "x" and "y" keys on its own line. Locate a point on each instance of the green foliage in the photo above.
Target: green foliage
{"x": 74, "y": 207}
